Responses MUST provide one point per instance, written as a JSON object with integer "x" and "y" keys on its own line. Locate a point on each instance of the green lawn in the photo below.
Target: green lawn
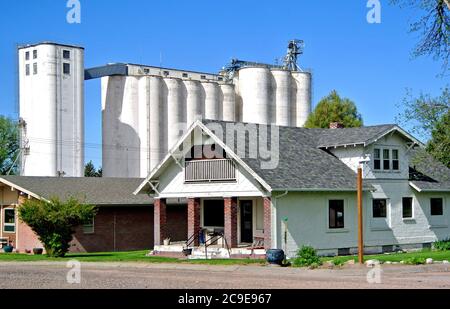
{"x": 132, "y": 256}
{"x": 398, "y": 257}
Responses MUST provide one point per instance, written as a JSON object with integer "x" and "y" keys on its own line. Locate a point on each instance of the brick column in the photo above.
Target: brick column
{"x": 193, "y": 218}
{"x": 160, "y": 221}
{"x": 267, "y": 223}
{"x": 230, "y": 211}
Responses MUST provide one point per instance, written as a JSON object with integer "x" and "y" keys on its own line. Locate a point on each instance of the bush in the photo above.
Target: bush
{"x": 307, "y": 256}
{"x": 339, "y": 261}
{"x": 415, "y": 261}
{"x": 54, "y": 222}
{"x": 443, "y": 245}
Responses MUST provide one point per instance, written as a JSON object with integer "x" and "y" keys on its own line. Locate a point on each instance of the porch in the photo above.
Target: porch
{"x": 216, "y": 228}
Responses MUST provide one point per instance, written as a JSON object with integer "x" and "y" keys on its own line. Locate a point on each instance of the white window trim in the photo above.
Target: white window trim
{"x": 391, "y": 160}
{"x": 89, "y": 225}
{"x": 340, "y": 229}
{"x": 9, "y": 224}
{"x": 413, "y": 211}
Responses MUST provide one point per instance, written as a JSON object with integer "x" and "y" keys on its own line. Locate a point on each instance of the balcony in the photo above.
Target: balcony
{"x": 219, "y": 170}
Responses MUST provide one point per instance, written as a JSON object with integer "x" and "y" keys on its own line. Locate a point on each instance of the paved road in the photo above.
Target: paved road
{"x": 167, "y": 276}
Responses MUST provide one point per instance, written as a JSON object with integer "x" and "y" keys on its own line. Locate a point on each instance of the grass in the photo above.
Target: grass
{"x": 131, "y": 256}
{"x": 398, "y": 257}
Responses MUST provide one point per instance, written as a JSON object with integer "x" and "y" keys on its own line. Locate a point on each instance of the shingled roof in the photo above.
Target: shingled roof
{"x": 96, "y": 191}
{"x": 428, "y": 174}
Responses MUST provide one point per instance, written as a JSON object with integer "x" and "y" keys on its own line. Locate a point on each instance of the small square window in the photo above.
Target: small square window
{"x": 336, "y": 214}
{"x": 27, "y": 69}
{"x": 88, "y": 228}
{"x": 437, "y": 206}
{"x": 66, "y": 54}
{"x": 407, "y": 204}
{"x": 27, "y": 55}
{"x": 220, "y": 78}
{"x": 35, "y": 54}
{"x": 166, "y": 73}
{"x": 202, "y": 76}
{"x": 379, "y": 208}
{"x": 146, "y": 71}
{"x": 185, "y": 75}
{"x": 66, "y": 68}
{"x": 35, "y": 69}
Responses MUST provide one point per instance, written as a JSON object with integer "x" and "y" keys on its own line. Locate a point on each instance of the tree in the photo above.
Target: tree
{"x": 9, "y": 146}
{"x": 54, "y": 221}
{"x": 333, "y": 108}
{"x": 90, "y": 171}
{"x": 434, "y": 27}
{"x": 439, "y": 145}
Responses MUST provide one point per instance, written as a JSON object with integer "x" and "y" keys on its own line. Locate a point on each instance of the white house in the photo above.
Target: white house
{"x": 288, "y": 187}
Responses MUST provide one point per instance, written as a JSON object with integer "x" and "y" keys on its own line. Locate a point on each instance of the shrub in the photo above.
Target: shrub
{"x": 443, "y": 245}
{"x": 307, "y": 256}
{"x": 339, "y": 261}
{"x": 54, "y": 222}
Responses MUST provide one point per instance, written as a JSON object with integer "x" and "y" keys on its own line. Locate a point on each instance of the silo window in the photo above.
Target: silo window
{"x": 203, "y": 76}
{"x": 66, "y": 54}
{"x": 220, "y": 78}
{"x": 66, "y": 68}
{"x": 185, "y": 75}
{"x": 35, "y": 70}
{"x": 35, "y": 54}
{"x": 146, "y": 71}
{"x": 27, "y": 55}
{"x": 27, "y": 70}
{"x": 166, "y": 73}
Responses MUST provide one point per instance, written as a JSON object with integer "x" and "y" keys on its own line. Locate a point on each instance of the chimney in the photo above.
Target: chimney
{"x": 336, "y": 125}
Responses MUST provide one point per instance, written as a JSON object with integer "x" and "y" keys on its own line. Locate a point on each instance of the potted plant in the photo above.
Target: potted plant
{"x": 9, "y": 248}
{"x": 38, "y": 251}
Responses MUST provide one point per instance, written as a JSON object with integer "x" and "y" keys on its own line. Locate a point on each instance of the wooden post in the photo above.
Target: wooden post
{"x": 360, "y": 217}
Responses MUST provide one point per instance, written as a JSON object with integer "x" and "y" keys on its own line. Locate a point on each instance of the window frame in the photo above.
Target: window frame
{"x": 27, "y": 55}
{"x": 379, "y": 163}
{"x": 66, "y": 52}
{"x": 5, "y": 224}
{"x": 412, "y": 207}
{"x": 89, "y": 228}
{"x": 336, "y": 226}
{"x": 35, "y": 53}
{"x": 27, "y": 69}
{"x": 442, "y": 206}
{"x": 35, "y": 68}
{"x": 67, "y": 65}
{"x": 386, "y": 205}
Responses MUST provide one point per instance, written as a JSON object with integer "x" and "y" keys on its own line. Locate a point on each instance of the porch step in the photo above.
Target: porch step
{"x": 212, "y": 253}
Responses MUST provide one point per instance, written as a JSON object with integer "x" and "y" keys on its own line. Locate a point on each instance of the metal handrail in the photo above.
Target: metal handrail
{"x": 210, "y": 240}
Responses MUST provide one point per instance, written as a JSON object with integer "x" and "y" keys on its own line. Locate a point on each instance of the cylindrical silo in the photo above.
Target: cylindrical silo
{"x": 257, "y": 92}
{"x": 176, "y": 110}
{"x": 228, "y": 102}
{"x": 302, "y": 94}
{"x": 212, "y": 100}
{"x": 158, "y": 123}
{"x": 143, "y": 125}
{"x": 283, "y": 96}
{"x": 194, "y": 101}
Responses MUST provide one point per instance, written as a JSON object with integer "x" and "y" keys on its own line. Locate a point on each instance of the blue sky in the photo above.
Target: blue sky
{"x": 368, "y": 63}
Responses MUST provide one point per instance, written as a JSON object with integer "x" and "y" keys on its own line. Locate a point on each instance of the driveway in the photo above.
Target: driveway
{"x": 51, "y": 275}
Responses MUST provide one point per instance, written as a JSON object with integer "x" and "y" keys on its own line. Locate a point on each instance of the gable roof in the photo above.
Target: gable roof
{"x": 427, "y": 174}
{"x": 96, "y": 191}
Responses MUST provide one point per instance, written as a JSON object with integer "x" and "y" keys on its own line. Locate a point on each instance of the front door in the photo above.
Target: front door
{"x": 247, "y": 221}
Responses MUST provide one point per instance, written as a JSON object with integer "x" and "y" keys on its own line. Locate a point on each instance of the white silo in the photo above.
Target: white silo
{"x": 194, "y": 101}
{"x": 256, "y": 89}
{"x": 228, "y": 102}
{"x": 212, "y": 100}
{"x": 51, "y": 100}
{"x": 302, "y": 91}
{"x": 158, "y": 123}
{"x": 283, "y": 96}
{"x": 176, "y": 110}
{"x": 144, "y": 125}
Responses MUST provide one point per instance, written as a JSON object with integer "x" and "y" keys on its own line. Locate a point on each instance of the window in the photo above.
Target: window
{"x": 407, "y": 204}
{"x": 66, "y": 68}
{"x": 146, "y": 71}
{"x": 379, "y": 208}
{"x": 436, "y": 205}
{"x": 27, "y": 55}
{"x": 220, "y": 78}
{"x": 35, "y": 69}
{"x": 27, "y": 69}
{"x": 395, "y": 162}
{"x": 9, "y": 225}
{"x": 336, "y": 214}
{"x": 35, "y": 54}
{"x": 88, "y": 228}
{"x": 202, "y": 76}
{"x": 166, "y": 73}
{"x": 185, "y": 75}
{"x": 66, "y": 54}
{"x": 213, "y": 213}
{"x": 377, "y": 159}
{"x": 386, "y": 161}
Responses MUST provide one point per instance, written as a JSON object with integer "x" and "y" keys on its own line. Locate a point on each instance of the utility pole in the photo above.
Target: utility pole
{"x": 360, "y": 216}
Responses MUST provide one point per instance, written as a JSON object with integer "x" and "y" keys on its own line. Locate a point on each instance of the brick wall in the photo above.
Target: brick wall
{"x": 193, "y": 218}
{"x": 119, "y": 228}
{"x": 267, "y": 223}
{"x": 230, "y": 211}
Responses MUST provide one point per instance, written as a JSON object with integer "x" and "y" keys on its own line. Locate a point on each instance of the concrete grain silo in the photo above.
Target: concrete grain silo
{"x": 283, "y": 97}
{"x": 213, "y": 97}
{"x": 51, "y": 108}
{"x": 302, "y": 91}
